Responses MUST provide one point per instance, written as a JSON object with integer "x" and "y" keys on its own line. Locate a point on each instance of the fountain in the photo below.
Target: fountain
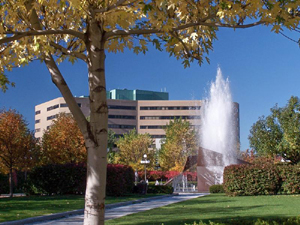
{"x": 219, "y": 136}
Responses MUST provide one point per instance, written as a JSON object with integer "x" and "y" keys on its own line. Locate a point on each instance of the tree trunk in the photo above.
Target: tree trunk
{"x": 97, "y": 142}
{"x": 11, "y": 183}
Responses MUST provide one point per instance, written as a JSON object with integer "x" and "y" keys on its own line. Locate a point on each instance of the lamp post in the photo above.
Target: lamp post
{"x": 145, "y": 162}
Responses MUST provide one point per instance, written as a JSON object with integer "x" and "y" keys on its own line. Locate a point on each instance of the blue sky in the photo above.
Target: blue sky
{"x": 263, "y": 69}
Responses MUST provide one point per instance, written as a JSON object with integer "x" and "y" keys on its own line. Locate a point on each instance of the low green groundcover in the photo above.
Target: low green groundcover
{"x": 219, "y": 208}
{"x": 24, "y": 207}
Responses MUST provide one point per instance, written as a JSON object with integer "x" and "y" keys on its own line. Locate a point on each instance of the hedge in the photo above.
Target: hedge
{"x": 217, "y": 188}
{"x": 160, "y": 189}
{"x": 120, "y": 180}
{"x": 251, "y": 180}
{"x": 71, "y": 179}
{"x": 263, "y": 179}
{"x": 18, "y": 182}
{"x": 57, "y": 179}
{"x": 290, "y": 179}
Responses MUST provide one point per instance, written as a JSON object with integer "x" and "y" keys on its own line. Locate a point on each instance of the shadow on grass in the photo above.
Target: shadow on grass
{"x": 175, "y": 216}
{"x": 237, "y": 220}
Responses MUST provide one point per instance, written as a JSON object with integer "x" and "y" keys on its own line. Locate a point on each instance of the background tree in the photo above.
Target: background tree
{"x": 85, "y": 30}
{"x": 181, "y": 142}
{"x": 17, "y": 144}
{"x": 63, "y": 142}
{"x": 111, "y": 141}
{"x": 279, "y": 133}
{"x": 132, "y": 146}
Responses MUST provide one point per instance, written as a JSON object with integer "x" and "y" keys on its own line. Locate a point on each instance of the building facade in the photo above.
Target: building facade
{"x": 129, "y": 110}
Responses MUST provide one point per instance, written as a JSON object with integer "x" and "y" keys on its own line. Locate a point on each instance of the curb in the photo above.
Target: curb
{"x": 79, "y": 211}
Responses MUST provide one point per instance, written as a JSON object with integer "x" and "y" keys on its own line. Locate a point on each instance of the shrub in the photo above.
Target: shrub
{"x": 71, "y": 179}
{"x": 160, "y": 189}
{"x": 290, "y": 179}
{"x": 4, "y": 185}
{"x": 57, "y": 179}
{"x": 120, "y": 180}
{"x": 251, "y": 180}
{"x": 218, "y": 188}
{"x": 18, "y": 182}
{"x": 141, "y": 188}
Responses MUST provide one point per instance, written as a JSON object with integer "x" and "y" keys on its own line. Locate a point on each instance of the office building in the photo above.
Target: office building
{"x": 145, "y": 111}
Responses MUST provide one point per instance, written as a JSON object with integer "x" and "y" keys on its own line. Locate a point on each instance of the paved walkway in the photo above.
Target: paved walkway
{"x": 123, "y": 210}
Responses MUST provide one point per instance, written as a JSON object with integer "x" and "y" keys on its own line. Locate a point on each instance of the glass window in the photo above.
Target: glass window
{"x": 117, "y": 126}
{"x": 52, "y": 107}
{"x": 52, "y": 117}
{"x": 38, "y": 112}
{"x": 121, "y": 117}
{"x": 170, "y": 108}
{"x": 121, "y": 107}
{"x": 37, "y": 121}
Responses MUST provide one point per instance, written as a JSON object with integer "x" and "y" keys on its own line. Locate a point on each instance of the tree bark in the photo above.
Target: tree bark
{"x": 97, "y": 143}
{"x": 11, "y": 185}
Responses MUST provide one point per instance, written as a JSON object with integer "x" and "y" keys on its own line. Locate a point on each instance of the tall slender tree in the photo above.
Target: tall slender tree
{"x": 17, "y": 144}
{"x": 51, "y": 30}
{"x": 132, "y": 147}
{"x": 63, "y": 142}
{"x": 181, "y": 142}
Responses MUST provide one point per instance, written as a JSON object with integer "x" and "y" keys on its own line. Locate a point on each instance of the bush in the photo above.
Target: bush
{"x": 57, "y": 179}
{"x": 18, "y": 182}
{"x": 251, "y": 180}
{"x": 71, "y": 179}
{"x": 4, "y": 185}
{"x": 120, "y": 180}
{"x": 290, "y": 179}
{"x": 141, "y": 188}
{"x": 160, "y": 189}
{"x": 218, "y": 188}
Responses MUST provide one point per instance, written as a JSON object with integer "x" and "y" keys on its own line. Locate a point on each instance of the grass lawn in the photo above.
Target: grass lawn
{"x": 217, "y": 208}
{"x": 25, "y": 207}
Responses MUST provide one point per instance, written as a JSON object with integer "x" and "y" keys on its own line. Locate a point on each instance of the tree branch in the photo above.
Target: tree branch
{"x": 69, "y": 52}
{"x": 185, "y": 47}
{"x": 118, "y": 3}
{"x": 59, "y": 80}
{"x": 182, "y": 27}
{"x": 19, "y": 35}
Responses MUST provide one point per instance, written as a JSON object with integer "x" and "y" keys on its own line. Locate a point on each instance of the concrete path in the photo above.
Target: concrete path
{"x": 123, "y": 210}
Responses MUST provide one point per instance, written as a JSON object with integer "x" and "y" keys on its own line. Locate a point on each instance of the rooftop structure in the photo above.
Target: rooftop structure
{"x": 135, "y": 95}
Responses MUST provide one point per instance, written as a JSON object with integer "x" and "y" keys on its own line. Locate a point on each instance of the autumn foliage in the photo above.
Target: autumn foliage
{"x": 132, "y": 147}
{"x": 63, "y": 142}
{"x": 181, "y": 142}
{"x": 17, "y": 144}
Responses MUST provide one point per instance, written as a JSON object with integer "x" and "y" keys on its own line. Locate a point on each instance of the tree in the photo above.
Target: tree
{"x": 279, "y": 133}
{"x": 17, "y": 144}
{"x": 132, "y": 146}
{"x": 51, "y": 30}
{"x": 181, "y": 142}
{"x": 111, "y": 140}
{"x": 63, "y": 142}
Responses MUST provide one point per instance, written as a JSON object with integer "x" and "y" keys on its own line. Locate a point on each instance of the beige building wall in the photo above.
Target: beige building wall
{"x": 146, "y": 116}
{"x": 121, "y": 115}
{"x": 46, "y": 112}
{"x": 153, "y": 116}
